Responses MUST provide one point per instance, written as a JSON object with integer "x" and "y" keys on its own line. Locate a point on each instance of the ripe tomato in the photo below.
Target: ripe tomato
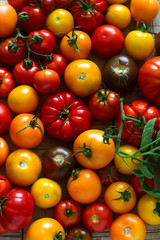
{"x": 8, "y": 19}
{"x": 5, "y": 186}
{"x": 23, "y": 167}
{"x": 18, "y": 4}
{"x": 59, "y": 22}
{"x": 4, "y": 150}
{"x": 148, "y": 209}
{"x": 120, "y": 197}
{"x": 108, "y": 175}
{"x": 97, "y": 217}
{"x": 26, "y": 130}
{"x": 128, "y": 226}
{"x": 46, "y": 193}
{"x": 135, "y": 182}
{"x": 68, "y": 212}
{"x": 5, "y": 118}
{"x": 77, "y": 181}
{"x": 116, "y": 1}
{"x": 82, "y": 77}
{"x": 46, "y": 5}
{"x": 23, "y": 99}
{"x": 90, "y": 150}
{"x": 83, "y": 233}
{"x": 157, "y": 43}
{"x": 45, "y": 228}
{"x": 6, "y": 82}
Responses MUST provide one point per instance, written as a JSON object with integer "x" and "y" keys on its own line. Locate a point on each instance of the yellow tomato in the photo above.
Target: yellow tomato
{"x": 59, "y": 22}
{"x": 118, "y": 15}
{"x": 46, "y": 193}
{"x": 4, "y": 150}
{"x": 23, "y": 99}
{"x": 23, "y": 167}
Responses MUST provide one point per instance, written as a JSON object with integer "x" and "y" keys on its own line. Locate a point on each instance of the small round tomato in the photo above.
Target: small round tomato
{"x": 97, "y": 217}
{"x": 26, "y": 130}
{"x": 128, "y": 226}
{"x": 59, "y": 22}
{"x": 23, "y": 99}
{"x": 135, "y": 182}
{"x": 68, "y": 212}
{"x": 149, "y": 209}
{"x": 46, "y": 81}
{"x": 23, "y": 167}
{"x": 5, "y": 118}
{"x": 120, "y": 197}
{"x": 108, "y": 175}
{"x": 18, "y": 4}
{"x": 5, "y": 186}
{"x": 118, "y": 15}
{"x": 77, "y": 181}
{"x": 6, "y": 82}
{"x": 46, "y": 5}
{"x": 46, "y": 193}
{"x": 83, "y": 233}
{"x": 119, "y": 160}
{"x": 45, "y": 228}
{"x": 4, "y": 150}
{"x": 82, "y": 77}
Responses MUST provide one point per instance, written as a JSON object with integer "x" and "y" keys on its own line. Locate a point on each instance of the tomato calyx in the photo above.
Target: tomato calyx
{"x": 72, "y": 41}
{"x": 68, "y": 212}
{"x": 142, "y": 28}
{"x": 74, "y": 174}
{"x": 87, "y": 152}
{"x": 121, "y": 69}
{"x": 125, "y": 196}
{"x": 59, "y": 159}
{"x": 103, "y": 96}
{"x": 27, "y": 63}
{"x": 86, "y": 6}
{"x": 2, "y": 200}
{"x": 22, "y": 17}
{"x": 109, "y": 173}
{"x": 95, "y": 219}
{"x": 157, "y": 208}
{"x": 58, "y": 236}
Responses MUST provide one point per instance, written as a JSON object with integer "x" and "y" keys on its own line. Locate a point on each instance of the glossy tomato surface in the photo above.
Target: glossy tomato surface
{"x": 5, "y": 118}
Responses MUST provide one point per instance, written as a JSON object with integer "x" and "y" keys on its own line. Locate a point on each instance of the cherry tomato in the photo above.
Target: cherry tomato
{"x": 4, "y": 150}
{"x": 135, "y": 182}
{"x": 46, "y": 5}
{"x": 108, "y": 175}
{"x": 18, "y": 4}
{"x": 5, "y": 118}
{"x": 6, "y": 82}
{"x": 81, "y": 232}
{"x": 5, "y": 186}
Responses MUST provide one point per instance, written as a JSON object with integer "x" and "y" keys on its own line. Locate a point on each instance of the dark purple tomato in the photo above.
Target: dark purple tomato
{"x": 157, "y": 43}
{"x": 79, "y": 233}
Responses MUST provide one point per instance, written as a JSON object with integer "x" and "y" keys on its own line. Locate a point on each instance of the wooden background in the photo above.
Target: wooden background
{"x": 153, "y": 232}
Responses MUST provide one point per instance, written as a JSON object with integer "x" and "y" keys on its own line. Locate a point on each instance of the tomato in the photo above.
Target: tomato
{"x": 118, "y": 15}
{"x": 148, "y": 209}
{"x": 135, "y": 182}
{"x": 18, "y": 210}
{"x": 76, "y": 45}
{"x": 8, "y": 19}
{"x": 46, "y": 193}
{"x": 116, "y": 1}
{"x": 97, "y": 217}
{"x": 149, "y": 80}
{"x": 26, "y": 130}
{"x": 106, "y": 103}
{"x": 82, "y": 77}
{"x": 157, "y": 43}
{"x": 59, "y": 22}
{"x": 6, "y": 82}
{"x": 108, "y": 175}
{"x": 5, "y": 118}
{"x": 65, "y": 116}
{"x": 81, "y": 232}
{"x": 44, "y": 229}
{"x": 128, "y": 226}
{"x": 66, "y": 4}
{"x": 151, "y": 9}
{"x": 58, "y": 162}
{"x": 104, "y": 41}
{"x": 4, "y": 150}
{"x": 23, "y": 99}
{"x": 120, "y": 197}
{"x": 119, "y": 73}
{"x": 18, "y": 4}
{"x": 89, "y": 14}
{"x": 11, "y": 53}
{"x": 139, "y": 45}
{"x": 77, "y": 182}
{"x": 5, "y": 186}
{"x": 46, "y": 81}
{"x": 68, "y": 212}
{"x": 90, "y": 150}
{"x": 46, "y": 5}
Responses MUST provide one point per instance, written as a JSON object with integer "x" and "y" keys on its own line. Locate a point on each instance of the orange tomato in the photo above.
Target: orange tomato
{"x": 4, "y": 150}
{"x": 120, "y": 197}
{"x": 128, "y": 226}
{"x": 91, "y": 152}
{"x": 84, "y": 186}
{"x": 23, "y": 167}
{"x": 45, "y": 229}
{"x": 26, "y": 130}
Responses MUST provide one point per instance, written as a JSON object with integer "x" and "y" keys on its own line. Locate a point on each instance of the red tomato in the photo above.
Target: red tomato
{"x": 6, "y": 83}
{"x": 5, "y": 118}
{"x": 68, "y": 212}
{"x": 104, "y": 41}
{"x": 66, "y": 4}
{"x": 18, "y": 4}
{"x": 97, "y": 217}
{"x": 79, "y": 232}
{"x": 46, "y": 5}
{"x": 5, "y": 186}
{"x": 135, "y": 182}
{"x": 108, "y": 175}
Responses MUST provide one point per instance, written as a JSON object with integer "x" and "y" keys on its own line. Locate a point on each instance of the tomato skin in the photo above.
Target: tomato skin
{"x": 68, "y": 212}
{"x": 5, "y": 186}
{"x": 135, "y": 182}
{"x": 5, "y": 118}
{"x": 97, "y": 217}
{"x": 59, "y": 3}
{"x": 116, "y": 1}
{"x": 82, "y": 232}
{"x": 108, "y": 175}
{"x": 18, "y": 4}
{"x": 4, "y": 150}
{"x": 157, "y": 43}
{"x": 6, "y": 82}
{"x": 104, "y": 41}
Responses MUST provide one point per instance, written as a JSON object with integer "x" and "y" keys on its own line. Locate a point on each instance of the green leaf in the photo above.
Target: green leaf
{"x": 138, "y": 173}
{"x": 148, "y": 190}
{"x": 145, "y": 171}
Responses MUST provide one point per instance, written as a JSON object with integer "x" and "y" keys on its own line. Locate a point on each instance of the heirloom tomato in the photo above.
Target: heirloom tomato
{"x": 65, "y": 116}
{"x": 79, "y": 190}
{"x": 23, "y": 167}
{"x": 104, "y": 41}
{"x": 128, "y": 226}
{"x": 5, "y": 118}
{"x": 135, "y": 182}
{"x": 45, "y": 229}
{"x": 18, "y": 4}
{"x": 82, "y": 77}
{"x": 81, "y": 232}
{"x": 68, "y": 212}
{"x": 26, "y": 130}
{"x": 120, "y": 197}
{"x": 97, "y": 217}
{"x": 108, "y": 175}
{"x": 157, "y": 43}
{"x": 6, "y": 83}
{"x": 17, "y": 210}
{"x": 4, "y": 150}
{"x": 5, "y": 186}
{"x": 90, "y": 150}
